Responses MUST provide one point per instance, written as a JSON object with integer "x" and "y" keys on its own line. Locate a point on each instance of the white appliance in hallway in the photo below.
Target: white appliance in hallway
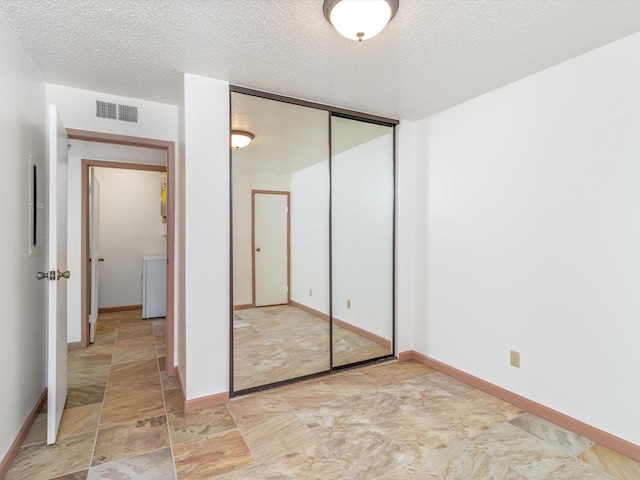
{"x": 154, "y": 286}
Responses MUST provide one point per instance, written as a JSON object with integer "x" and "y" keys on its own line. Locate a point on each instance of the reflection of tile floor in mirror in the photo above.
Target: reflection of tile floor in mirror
{"x": 283, "y": 342}
{"x": 398, "y": 420}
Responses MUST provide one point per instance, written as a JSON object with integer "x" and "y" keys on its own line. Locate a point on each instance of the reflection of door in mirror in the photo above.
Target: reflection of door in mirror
{"x": 270, "y": 248}
{"x": 362, "y": 209}
{"x": 280, "y": 256}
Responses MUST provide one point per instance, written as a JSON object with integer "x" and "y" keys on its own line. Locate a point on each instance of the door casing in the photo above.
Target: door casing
{"x": 169, "y": 148}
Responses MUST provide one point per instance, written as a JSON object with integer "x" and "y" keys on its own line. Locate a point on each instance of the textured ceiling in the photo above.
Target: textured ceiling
{"x": 433, "y": 55}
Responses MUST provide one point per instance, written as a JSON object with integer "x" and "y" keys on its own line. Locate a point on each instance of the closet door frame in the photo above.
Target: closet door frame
{"x": 331, "y": 111}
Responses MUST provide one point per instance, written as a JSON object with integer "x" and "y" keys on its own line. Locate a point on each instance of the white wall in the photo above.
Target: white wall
{"x": 362, "y": 231}
{"x": 310, "y": 236}
{"x": 243, "y": 183}
{"x": 22, "y": 342}
{"x": 532, "y": 233}
{"x": 406, "y": 255}
{"x": 207, "y": 304}
{"x": 130, "y": 227}
{"x": 76, "y": 107}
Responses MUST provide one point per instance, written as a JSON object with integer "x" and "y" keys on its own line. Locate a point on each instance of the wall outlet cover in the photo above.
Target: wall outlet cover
{"x": 514, "y": 359}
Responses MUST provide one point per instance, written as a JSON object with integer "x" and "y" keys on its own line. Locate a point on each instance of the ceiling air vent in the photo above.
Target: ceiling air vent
{"x": 106, "y": 110}
{"x": 115, "y": 111}
{"x": 128, "y": 113}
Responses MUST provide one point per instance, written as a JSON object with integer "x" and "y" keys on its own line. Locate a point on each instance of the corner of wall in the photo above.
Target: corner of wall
{"x": 406, "y": 219}
{"x": 180, "y": 339}
{"x": 206, "y": 236}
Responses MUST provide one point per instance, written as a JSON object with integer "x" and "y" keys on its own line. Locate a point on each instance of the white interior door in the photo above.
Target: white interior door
{"x": 271, "y": 248}
{"x": 94, "y": 249}
{"x": 57, "y": 263}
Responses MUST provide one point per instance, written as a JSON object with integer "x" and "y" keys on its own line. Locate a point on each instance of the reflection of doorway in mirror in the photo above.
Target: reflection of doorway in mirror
{"x": 270, "y": 245}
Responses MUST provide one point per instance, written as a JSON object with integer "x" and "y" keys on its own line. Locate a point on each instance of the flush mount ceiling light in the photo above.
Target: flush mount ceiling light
{"x": 359, "y": 19}
{"x": 240, "y": 139}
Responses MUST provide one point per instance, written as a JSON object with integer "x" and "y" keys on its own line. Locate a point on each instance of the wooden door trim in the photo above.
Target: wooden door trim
{"x": 253, "y": 240}
{"x": 170, "y": 168}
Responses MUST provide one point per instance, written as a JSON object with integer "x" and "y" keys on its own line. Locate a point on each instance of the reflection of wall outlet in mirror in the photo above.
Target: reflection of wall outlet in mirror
{"x": 515, "y": 359}
{"x": 310, "y": 292}
{"x": 348, "y": 303}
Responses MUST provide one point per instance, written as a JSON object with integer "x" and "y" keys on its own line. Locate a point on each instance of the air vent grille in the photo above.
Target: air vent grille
{"x": 106, "y": 110}
{"x": 128, "y": 113}
{"x": 114, "y": 111}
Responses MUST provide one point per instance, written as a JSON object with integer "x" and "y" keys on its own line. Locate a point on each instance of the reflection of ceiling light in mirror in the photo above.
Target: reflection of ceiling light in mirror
{"x": 240, "y": 139}
{"x": 359, "y": 19}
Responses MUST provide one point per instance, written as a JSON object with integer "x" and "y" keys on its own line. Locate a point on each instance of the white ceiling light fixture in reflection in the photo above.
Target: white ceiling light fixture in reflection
{"x": 359, "y": 19}
{"x": 240, "y": 139}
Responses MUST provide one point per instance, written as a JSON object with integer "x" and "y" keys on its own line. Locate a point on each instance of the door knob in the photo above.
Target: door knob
{"x": 65, "y": 274}
{"x": 258, "y": 249}
{"x": 42, "y": 275}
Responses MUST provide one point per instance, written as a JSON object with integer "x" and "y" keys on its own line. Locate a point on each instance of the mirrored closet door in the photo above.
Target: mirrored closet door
{"x": 312, "y": 238}
{"x": 280, "y": 215}
{"x": 362, "y": 213}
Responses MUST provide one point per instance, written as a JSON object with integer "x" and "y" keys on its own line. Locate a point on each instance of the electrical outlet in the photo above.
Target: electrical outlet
{"x": 515, "y": 359}
{"x": 310, "y": 292}
{"x": 348, "y": 303}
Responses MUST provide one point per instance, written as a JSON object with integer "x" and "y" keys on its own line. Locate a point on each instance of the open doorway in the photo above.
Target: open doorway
{"x": 169, "y": 150}
{"x": 127, "y": 226}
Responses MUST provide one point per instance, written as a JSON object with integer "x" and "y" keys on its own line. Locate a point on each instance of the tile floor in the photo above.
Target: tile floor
{"x": 267, "y": 349}
{"x": 398, "y": 420}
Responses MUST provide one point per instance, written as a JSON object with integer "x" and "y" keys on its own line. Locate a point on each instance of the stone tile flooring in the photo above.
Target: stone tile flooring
{"x": 267, "y": 349}
{"x": 398, "y": 420}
